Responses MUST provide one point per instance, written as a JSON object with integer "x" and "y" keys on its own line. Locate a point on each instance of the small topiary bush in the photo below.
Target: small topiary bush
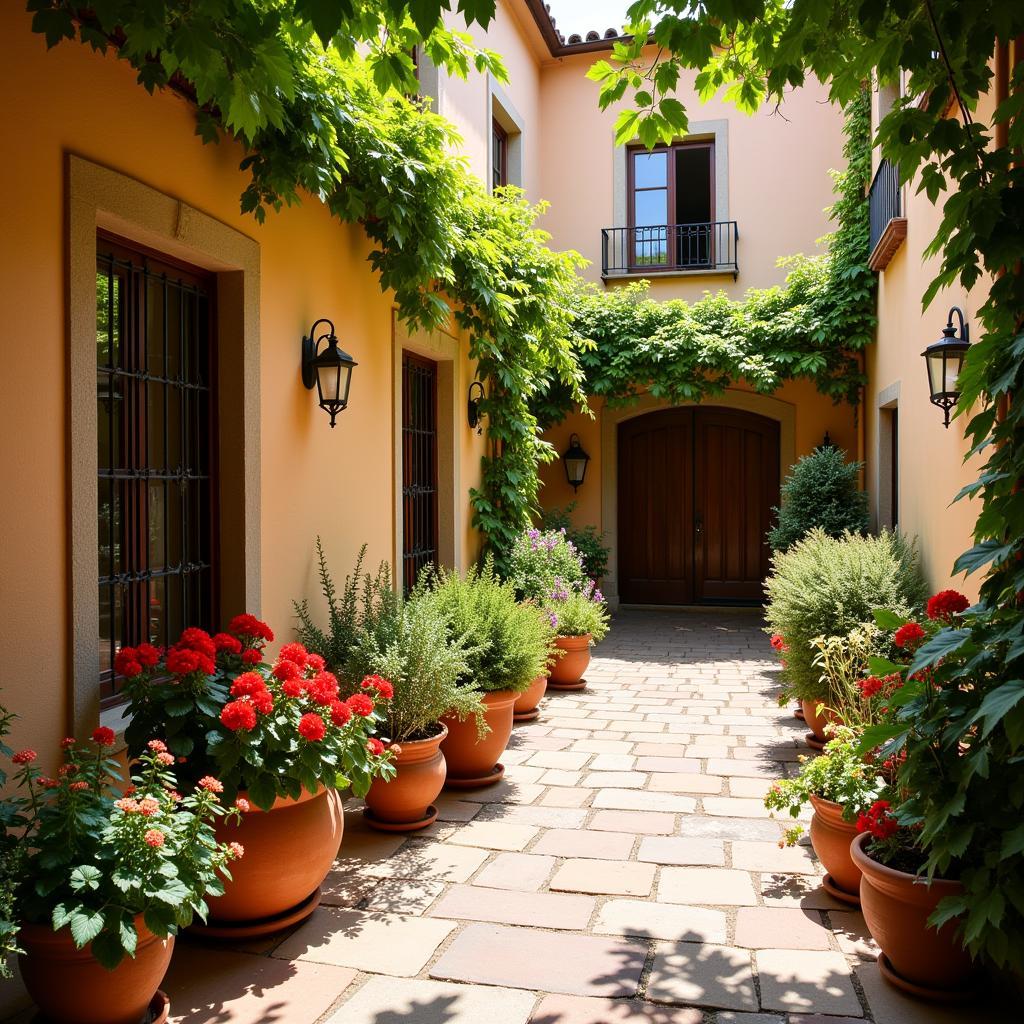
{"x": 825, "y": 586}
{"x": 821, "y": 491}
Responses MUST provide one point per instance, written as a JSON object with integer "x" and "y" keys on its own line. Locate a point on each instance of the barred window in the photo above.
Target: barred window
{"x": 156, "y": 447}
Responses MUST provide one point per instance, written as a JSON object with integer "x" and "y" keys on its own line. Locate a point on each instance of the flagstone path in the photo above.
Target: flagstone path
{"x": 623, "y": 872}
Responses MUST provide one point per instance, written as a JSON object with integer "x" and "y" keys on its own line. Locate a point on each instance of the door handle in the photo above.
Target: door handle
{"x": 698, "y": 525}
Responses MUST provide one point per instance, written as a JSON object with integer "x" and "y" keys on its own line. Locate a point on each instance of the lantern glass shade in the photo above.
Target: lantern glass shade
{"x": 944, "y": 360}
{"x": 575, "y": 460}
{"x": 330, "y": 370}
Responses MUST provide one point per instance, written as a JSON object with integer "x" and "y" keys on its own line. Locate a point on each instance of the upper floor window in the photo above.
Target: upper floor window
{"x": 156, "y": 451}
{"x": 499, "y": 156}
{"x": 672, "y": 205}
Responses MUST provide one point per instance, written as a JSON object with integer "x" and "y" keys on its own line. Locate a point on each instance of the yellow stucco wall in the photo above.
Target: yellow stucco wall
{"x": 338, "y": 483}
{"x": 778, "y": 180}
{"x": 931, "y": 459}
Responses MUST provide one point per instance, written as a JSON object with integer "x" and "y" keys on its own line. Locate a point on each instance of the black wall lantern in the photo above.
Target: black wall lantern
{"x": 575, "y": 460}
{"x": 473, "y": 414}
{"x": 328, "y": 369}
{"x": 945, "y": 359}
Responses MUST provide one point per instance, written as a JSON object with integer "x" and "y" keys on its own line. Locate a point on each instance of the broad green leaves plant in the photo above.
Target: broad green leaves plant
{"x": 95, "y": 860}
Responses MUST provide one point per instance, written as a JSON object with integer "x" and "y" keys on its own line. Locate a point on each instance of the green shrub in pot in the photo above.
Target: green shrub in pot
{"x": 573, "y": 612}
{"x": 507, "y": 643}
{"x": 825, "y": 586}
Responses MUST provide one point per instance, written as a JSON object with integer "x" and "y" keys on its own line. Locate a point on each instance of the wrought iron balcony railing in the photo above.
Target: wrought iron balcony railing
{"x": 885, "y": 208}
{"x": 670, "y": 248}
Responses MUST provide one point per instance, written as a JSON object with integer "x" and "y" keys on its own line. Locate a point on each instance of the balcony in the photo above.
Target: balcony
{"x": 888, "y": 225}
{"x": 662, "y": 249}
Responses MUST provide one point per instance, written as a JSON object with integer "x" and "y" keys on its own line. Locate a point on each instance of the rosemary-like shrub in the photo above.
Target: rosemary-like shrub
{"x": 825, "y": 586}
{"x": 507, "y": 643}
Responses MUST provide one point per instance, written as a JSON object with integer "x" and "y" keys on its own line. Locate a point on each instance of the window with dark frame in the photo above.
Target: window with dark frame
{"x": 672, "y": 206}
{"x": 894, "y": 456}
{"x": 419, "y": 466}
{"x": 499, "y": 156}
{"x": 156, "y": 451}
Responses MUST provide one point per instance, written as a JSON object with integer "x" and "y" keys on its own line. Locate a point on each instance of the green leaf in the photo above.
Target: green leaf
{"x": 942, "y": 645}
{"x": 85, "y": 926}
{"x": 884, "y": 667}
{"x": 997, "y": 703}
{"x": 887, "y": 619}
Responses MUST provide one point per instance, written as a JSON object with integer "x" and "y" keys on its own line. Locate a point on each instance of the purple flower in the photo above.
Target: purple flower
{"x": 553, "y": 619}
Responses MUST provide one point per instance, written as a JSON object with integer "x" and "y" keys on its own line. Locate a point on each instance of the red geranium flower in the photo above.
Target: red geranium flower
{"x": 157, "y": 746}
{"x": 908, "y": 636}
{"x": 243, "y": 805}
{"x": 227, "y": 644}
{"x": 103, "y": 736}
{"x": 251, "y": 657}
{"x": 237, "y": 850}
{"x": 946, "y": 604}
{"x": 315, "y": 662}
{"x": 26, "y": 756}
{"x": 292, "y": 688}
{"x": 878, "y": 821}
{"x": 166, "y": 758}
{"x": 155, "y": 838}
{"x": 312, "y": 728}
{"x": 778, "y": 644}
{"x": 360, "y": 704}
{"x": 251, "y": 627}
{"x": 263, "y": 701}
{"x": 340, "y": 714}
{"x": 147, "y": 655}
{"x": 238, "y": 715}
{"x": 247, "y": 684}
{"x": 382, "y": 686}
{"x": 126, "y": 663}
{"x": 295, "y": 653}
{"x": 285, "y": 670}
{"x": 870, "y": 686}
{"x": 212, "y": 785}
{"x": 374, "y": 746}
{"x": 77, "y": 787}
{"x": 323, "y": 688}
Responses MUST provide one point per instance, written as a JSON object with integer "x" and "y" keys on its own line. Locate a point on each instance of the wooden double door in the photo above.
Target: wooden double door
{"x": 696, "y": 490}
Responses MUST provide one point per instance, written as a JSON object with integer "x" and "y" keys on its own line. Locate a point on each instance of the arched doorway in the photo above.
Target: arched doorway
{"x": 696, "y": 487}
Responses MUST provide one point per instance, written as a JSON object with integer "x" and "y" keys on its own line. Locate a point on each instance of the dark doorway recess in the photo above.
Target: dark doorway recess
{"x": 696, "y": 490}
{"x": 419, "y": 465}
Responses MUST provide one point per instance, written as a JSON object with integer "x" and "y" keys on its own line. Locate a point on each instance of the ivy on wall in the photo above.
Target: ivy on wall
{"x": 813, "y": 327}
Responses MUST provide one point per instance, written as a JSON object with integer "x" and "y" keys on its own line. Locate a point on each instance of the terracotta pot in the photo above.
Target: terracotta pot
{"x": 571, "y": 663}
{"x": 925, "y": 961}
{"x": 288, "y": 852}
{"x": 473, "y": 762}
{"x": 831, "y": 837}
{"x": 69, "y": 985}
{"x": 817, "y": 722}
{"x": 405, "y": 803}
{"x": 525, "y": 707}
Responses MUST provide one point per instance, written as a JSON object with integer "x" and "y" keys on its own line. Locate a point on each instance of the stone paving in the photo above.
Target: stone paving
{"x": 623, "y": 872}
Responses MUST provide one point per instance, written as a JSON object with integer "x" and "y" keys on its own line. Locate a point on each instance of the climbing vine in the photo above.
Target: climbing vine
{"x": 812, "y": 327}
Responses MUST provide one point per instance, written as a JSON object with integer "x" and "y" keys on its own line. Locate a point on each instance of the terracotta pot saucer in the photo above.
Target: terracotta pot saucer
{"x": 159, "y": 1008}
{"x": 828, "y": 883}
{"x": 493, "y": 776}
{"x": 935, "y": 995}
{"x": 400, "y": 826}
{"x": 526, "y": 716}
{"x": 581, "y": 685}
{"x": 798, "y": 713}
{"x": 813, "y": 742}
{"x": 256, "y": 929}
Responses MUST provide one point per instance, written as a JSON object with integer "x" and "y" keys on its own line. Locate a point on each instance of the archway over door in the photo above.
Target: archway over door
{"x": 696, "y": 486}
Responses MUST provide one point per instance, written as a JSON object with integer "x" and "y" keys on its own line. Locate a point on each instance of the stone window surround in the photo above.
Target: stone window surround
{"x": 888, "y": 400}
{"x": 100, "y": 198}
{"x": 747, "y": 401}
{"x": 443, "y": 349}
{"x": 716, "y": 131}
{"x": 501, "y": 109}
